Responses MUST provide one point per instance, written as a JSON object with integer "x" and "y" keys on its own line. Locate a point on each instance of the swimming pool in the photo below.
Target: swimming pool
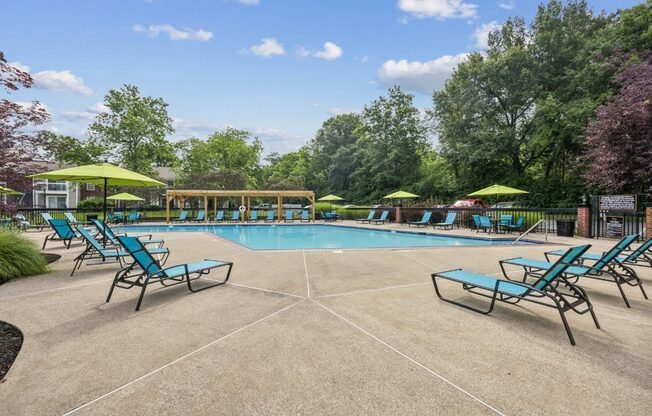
{"x": 319, "y": 236}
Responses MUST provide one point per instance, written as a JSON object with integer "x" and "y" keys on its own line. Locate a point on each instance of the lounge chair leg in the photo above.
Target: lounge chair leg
{"x": 622, "y": 292}
{"x": 488, "y": 311}
{"x": 142, "y": 293}
{"x": 565, "y": 322}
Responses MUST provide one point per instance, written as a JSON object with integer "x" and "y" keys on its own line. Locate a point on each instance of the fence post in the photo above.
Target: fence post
{"x": 648, "y": 219}
{"x": 584, "y": 219}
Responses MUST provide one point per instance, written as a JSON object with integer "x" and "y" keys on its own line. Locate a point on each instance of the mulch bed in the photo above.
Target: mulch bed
{"x": 11, "y": 339}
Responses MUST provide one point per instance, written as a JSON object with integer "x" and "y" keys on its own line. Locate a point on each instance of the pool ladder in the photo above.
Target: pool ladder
{"x": 532, "y": 228}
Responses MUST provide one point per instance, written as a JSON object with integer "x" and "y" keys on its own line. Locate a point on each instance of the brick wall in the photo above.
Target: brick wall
{"x": 584, "y": 221}
{"x": 648, "y": 220}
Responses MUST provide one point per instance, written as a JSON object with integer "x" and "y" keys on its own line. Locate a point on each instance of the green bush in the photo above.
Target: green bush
{"x": 19, "y": 257}
{"x": 93, "y": 202}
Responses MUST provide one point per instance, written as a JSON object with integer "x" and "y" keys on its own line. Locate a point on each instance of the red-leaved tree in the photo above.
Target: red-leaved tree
{"x": 18, "y": 140}
{"x": 619, "y": 140}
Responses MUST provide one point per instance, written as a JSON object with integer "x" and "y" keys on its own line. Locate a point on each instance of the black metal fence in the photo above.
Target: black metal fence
{"x": 33, "y": 215}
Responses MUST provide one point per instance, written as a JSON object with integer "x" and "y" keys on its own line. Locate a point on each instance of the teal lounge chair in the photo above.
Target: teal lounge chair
{"x": 95, "y": 250}
{"x": 118, "y": 217}
{"x": 253, "y": 217}
{"x": 482, "y": 222}
{"x": 638, "y": 257}
{"x": 46, "y": 220}
{"x": 270, "y": 216}
{"x": 382, "y": 219}
{"x": 112, "y": 238}
{"x": 305, "y": 216}
{"x": 423, "y": 222}
{"x": 545, "y": 291}
{"x": 73, "y": 221}
{"x": 328, "y": 216}
{"x": 183, "y": 217}
{"x": 606, "y": 268}
{"x": 151, "y": 271}
{"x": 235, "y": 216}
{"x": 219, "y": 216}
{"x": 448, "y": 222}
{"x": 133, "y": 217}
{"x": 289, "y": 216}
{"x": 369, "y": 218}
{"x": 201, "y": 216}
{"x": 62, "y": 232}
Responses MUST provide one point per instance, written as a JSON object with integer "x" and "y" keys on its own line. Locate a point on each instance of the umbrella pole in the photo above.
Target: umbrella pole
{"x": 104, "y": 217}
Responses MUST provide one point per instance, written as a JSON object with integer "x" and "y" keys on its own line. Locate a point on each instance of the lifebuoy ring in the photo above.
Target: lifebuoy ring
{"x": 242, "y": 208}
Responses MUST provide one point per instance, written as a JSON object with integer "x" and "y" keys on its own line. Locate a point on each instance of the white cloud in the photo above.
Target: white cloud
{"x": 507, "y": 5}
{"x": 60, "y": 81}
{"x": 268, "y": 47}
{"x": 249, "y": 2}
{"x": 439, "y": 9}
{"x": 361, "y": 59}
{"x": 336, "y": 111}
{"x": 424, "y": 77}
{"x": 19, "y": 66}
{"x": 27, "y": 105}
{"x": 330, "y": 52}
{"x": 481, "y": 34}
{"x": 174, "y": 33}
{"x": 97, "y": 108}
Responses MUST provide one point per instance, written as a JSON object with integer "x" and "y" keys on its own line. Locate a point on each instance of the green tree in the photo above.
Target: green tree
{"x": 288, "y": 171}
{"x": 228, "y": 159}
{"x": 391, "y": 146}
{"x": 134, "y": 130}
{"x": 333, "y": 160}
{"x": 70, "y": 150}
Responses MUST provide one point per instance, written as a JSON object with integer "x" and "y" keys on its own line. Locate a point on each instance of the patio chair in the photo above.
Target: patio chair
{"x": 107, "y": 233}
{"x": 110, "y": 218}
{"x": 132, "y": 218}
{"x": 270, "y": 216}
{"x": 305, "y": 216}
{"x": 62, "y": 232}
{"x": 118, "y": 217}
{"x": 153, "y": 272}
{"x": 551, "y": 289}
{"x": 73, "y": 221}
{"x": 370, "y": 217}
{"x": 21, "y": 222}
{"x": 94, "y": 250}
{"x": 201, "y": 216}
{"x": 518, "y": 226}
{"x": 235, "y": 216}
{"x": 606, "y": 268}
{"x": 448, "y": 222}
{"x": 635, "y": 258}
{"x": 253, "y": 217}
{"x": 382, "y": 219}
{"x": 183, "y": 217}
{"x": 289, "y": 216}
{"x": 219, "y": 216}
{"x": 482, "y": 222}
{"x": 423, "y": 222}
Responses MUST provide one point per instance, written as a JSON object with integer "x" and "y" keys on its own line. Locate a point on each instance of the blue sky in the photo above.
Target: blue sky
{"x": 277, "y": 68}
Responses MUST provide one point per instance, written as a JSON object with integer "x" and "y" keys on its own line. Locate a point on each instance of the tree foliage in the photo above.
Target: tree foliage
{"x": 18, "y": 140}
{"x": 619, "y": 140}
{"x": 134, "y": 130}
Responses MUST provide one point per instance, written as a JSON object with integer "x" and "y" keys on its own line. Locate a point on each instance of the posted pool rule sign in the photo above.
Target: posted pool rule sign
{"x": 618, "y": 203}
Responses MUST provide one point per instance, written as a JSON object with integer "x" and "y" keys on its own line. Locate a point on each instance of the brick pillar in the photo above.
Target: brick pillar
{"x": 648, "y": 220}
{"x": 584, "y": 220}
{"x": 398, "y": 214}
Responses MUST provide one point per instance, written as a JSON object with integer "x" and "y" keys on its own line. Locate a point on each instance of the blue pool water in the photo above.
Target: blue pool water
{"x": 317, "y": 236}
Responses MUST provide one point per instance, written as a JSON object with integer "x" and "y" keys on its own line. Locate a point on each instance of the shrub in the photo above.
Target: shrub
{"x": 93, "y": 202}
{"x": 19, "y": 257}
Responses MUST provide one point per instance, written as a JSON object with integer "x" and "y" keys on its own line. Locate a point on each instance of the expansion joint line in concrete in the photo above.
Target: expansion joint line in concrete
{"x": 305, "y": 266}
{"x": 183, "y": 357}
{"x": 412, "y": 360}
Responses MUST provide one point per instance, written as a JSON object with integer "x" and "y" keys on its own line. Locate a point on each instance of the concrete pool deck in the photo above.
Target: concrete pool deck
{"x": 319, "y": 332}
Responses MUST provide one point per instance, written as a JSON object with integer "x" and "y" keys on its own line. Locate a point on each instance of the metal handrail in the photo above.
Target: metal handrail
{"x": 532, "y": 228}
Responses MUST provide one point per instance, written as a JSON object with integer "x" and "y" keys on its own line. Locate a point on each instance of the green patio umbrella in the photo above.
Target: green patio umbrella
{"x": 400, "y": 195}
{"x": 498, "y": 190}
{"x": 7, "y": 191}
{"x": 104, "y": 174}
{"x": 330, "y": 198}
{"x": 125, "y": 197}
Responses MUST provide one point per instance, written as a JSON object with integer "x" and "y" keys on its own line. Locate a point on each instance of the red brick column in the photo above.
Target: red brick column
{"x": 648, "y": 220}
{"x": 584, "y": 221}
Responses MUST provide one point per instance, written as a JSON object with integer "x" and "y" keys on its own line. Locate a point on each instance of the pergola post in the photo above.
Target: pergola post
{"x": 279, "y": 204}
{"x": 215, "y": 207}
{"x": 168, "y": 199}
{"x": 312, "y": 205}
{"x": 242, "y": 204}
{"x": 205, "y": 208}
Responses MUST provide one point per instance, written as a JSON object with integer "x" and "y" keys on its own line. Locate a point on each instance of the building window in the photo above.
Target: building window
{"x": 90, "y": 186}
{"x": 56, "y": 201}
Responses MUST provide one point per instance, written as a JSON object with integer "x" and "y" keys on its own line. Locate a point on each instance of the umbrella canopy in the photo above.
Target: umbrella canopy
{"x": 104, "y": 174}
{"x": 7, "y": 191}
{"x": 498, "y": 190}
{"x": 331, "y": 197}
{"x": 125, "y": 197}
{"x": 400, "y": 195}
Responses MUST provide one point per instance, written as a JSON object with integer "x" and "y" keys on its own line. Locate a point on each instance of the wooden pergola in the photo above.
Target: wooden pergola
{"x": 245, "y": 199}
